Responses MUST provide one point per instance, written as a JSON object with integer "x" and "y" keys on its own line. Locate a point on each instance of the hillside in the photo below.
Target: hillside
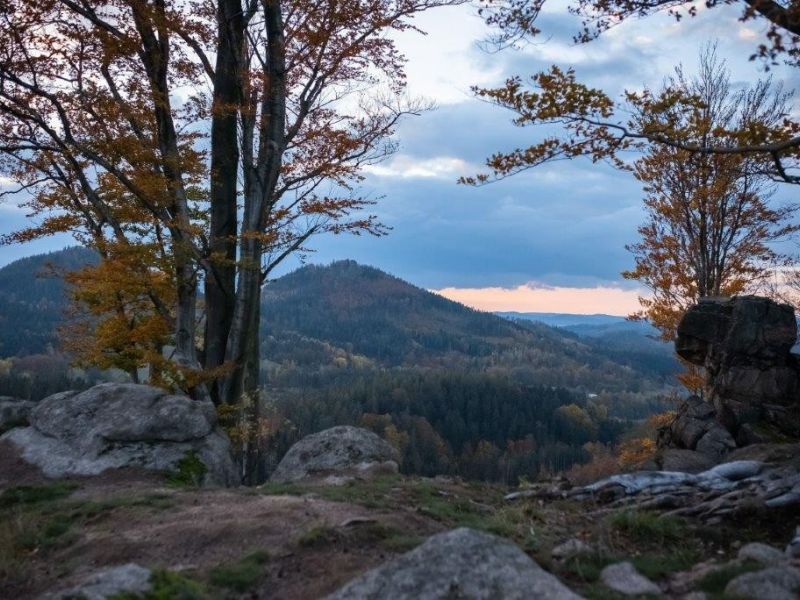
{"x": 33, "y": 299}
{"x": 319, "y": 314}
{"x": 633, "y": 343}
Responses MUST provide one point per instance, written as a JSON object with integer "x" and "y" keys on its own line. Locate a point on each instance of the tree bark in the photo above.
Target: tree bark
{"x": 220, "y": 283}
{"x": 261, "y": 180}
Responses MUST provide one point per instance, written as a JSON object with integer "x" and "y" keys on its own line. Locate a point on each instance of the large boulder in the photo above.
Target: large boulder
{"x": 752, "y": 378}
{"x": 14, "y": 412}
{"x": 342, "y": 451}
{"x": 740, "y": 330}
{"x": 114, "y": 425}
{"x": 464, "y": 564}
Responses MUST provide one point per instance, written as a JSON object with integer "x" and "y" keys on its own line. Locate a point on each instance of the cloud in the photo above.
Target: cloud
{"x": 410, "y": 167}
{"x": 537, "y": 298}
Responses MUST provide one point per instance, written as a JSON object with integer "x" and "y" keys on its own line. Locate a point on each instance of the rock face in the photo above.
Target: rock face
{"x": 115, "y": 425}
{"x": 753, "y": 381}
{"x": 14, "y": 412}
{"x": 462, "y": 563}
{"x": 336, "y": 452}
{"x": 125, "y": 579}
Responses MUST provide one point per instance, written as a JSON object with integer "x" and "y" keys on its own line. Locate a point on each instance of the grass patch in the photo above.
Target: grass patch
{"x": 240, "y": 576}
{"x": 168, "y": 585}
{"x": 587, "y": 567}
{"x": 597, "y": 591}
{"x": 714, "y": 583}
{"x": 27, "y": 495}
{"x": 191, "y": 471}
{"x": 376, "y": 493}
{"x": 649, "y": 528}
{"x": 659, "y": 566}
{"x": 318, "y": 536}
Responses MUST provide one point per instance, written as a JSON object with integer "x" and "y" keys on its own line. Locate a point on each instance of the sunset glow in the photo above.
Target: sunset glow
{"x": 531, "y": 298}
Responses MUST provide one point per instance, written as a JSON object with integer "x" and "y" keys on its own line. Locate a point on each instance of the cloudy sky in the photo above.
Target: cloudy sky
{"x": 551, "y": 239}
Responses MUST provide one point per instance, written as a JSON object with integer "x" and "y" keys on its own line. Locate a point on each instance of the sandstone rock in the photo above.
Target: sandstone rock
{"x": 626, "y": 580}
{"x": 744, "y": 344}
{"x": 685, "y": 461}
{"x": 775, "y": 583}
{"x": 14, "y": 412}
{"x": 114, "y": 425}
{"x": 761, "y": 553}
{"x": 125, "y": 579}
{"x": 336, "y": 452}
{"x": 570, "y": 548}
{"x": 462, "y": 563}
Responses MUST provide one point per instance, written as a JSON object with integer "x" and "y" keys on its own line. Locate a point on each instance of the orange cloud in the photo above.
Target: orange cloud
{"x": 530, "y": 298}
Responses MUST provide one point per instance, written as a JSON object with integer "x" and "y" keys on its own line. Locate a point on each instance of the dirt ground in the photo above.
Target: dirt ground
{"x": 314, "y": 545}
{"x": 297, "y": 542}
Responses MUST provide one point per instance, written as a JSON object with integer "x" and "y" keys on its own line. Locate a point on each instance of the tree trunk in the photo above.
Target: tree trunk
{"x": 261, "y": 179}
{"x": 220, "y": 283}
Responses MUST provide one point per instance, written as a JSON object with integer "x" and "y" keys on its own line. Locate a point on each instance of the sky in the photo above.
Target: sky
{"x": 551, "y": 239}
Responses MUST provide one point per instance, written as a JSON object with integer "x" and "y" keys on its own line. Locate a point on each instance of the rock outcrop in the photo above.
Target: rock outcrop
{"x": 113, "y": 425}
{"x": 462, "y": 563}
{"x": 335, "y": 453}
{"x": 721, "y": 491}
{"x": 752, "y": 378}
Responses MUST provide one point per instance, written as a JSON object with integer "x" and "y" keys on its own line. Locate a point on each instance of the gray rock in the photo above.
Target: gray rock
{"x": 337, "y": 452}
{"x": 716, "y": 443}
{"x": 684, "y": 461}
{"x": 775, "y": 583}
{"x": 570, "y": 548}
{"x": 761, "y": 553}
{"x": 130, "y": 578}
{"x": 744, "y": 345}
{"x": 464, "y": 564}
{"x": 112, "y": 426}
{"x": 14, "y": 412}
{"x": 626, "y": 580}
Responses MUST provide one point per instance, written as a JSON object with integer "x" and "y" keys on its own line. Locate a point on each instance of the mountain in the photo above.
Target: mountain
{"x": 319, "y": 315}
{"x": 346, "y": 313}
{"x": 33, "y": 300}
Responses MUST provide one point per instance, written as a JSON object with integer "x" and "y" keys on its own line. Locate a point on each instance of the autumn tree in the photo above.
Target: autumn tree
{"x": 596, "y": 125}
{"x": 710, "y": 226}
{"x": 223, "y": 134}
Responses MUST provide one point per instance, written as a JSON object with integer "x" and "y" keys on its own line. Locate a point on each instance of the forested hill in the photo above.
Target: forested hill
{"x": 349, "y": 314}
{"x": 346, "y": 312}
{"x": 33, "y": 299}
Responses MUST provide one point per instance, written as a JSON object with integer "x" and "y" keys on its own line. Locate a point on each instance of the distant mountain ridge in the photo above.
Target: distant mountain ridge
{"x": 343, "y": 313}
{"x": 351, "y": 309}
{"x": 564, "y": 319}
